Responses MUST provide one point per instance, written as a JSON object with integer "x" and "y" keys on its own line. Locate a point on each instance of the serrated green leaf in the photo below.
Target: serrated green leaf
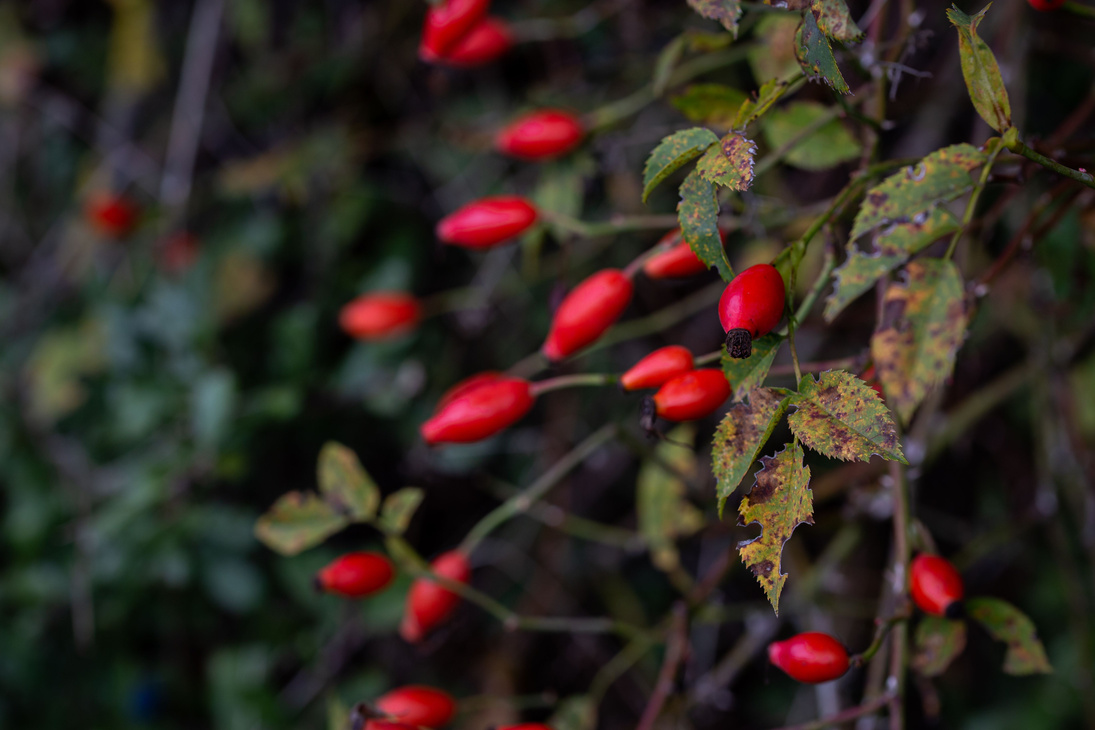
{"x": 398, "y": 509}
{"x": 942, "y": 175}
{"x": 345, "y": 484}
{"x": 739, "y": 438}
{"x": 892, "y": 247}
{"x": 923, "y": 325}
{"x": 825, "y": 147}
{"x": 939, "y": 641}
{"x": 842, "y": 417}
{"x": 768, "y": 94}
{"x": 667, "y": 60}
{"x": 664, "y": 513}
{"x": 980, "y": 70}
{"x": 578, "y": 712}
{"x": 747, "y": 373}
{"x": 713, "y": 104}
{"x": 835, "y": 21}
{"x": 729, "y": 163}
{"x": 779, "y": 501}
{"x": 298, "y": 521}
{"x": 1025, "y": 654}
{"x": 698, "y": 215}
{"x": 673, "y": 153}
{"x": 815, "y": 55}
{"x": 726, "y": 12}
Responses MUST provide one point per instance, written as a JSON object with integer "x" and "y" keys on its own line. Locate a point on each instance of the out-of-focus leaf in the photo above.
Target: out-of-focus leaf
{"x": 326, "y": 156}
{"x": 338, "y": 714}
{"x": 667, "y": 61}
{"x": 770, "y": 92}
{"x": 135, "y": 64}
{"x": 673, "y": 153}
{"x": 815, "y": 55}
{"x": 744, "y": 431}
{"x": 779, "y": 501}
{"x": 980, "y": 70}
{"x": 698, "y": 215}
{"x": 942, "y": 175}
{"x": 729, "y": 163}
{"x": 1025, "y": 654}
{"x": 345, "y": 484}
{"x": 578, "y": 712}
{"x": 700, "y": 42}
{"x": 835, "y": 21}
{"x": 713, "y": 104}
{"x": 939, "y": 641}
{"x": 54, "y": 370}
{"x": 561, "y": 189}
{"x": 212, "y": 403}
{"x": 235, "y": 677}
{"x": 726, "y": 12}
{"x": 828, "y": 145}
{"x": 398, "y": 509}
{"x": 923, "y": 325}
{"x": 892, "y": 246}
{"x": 663, "y": 510}
{"x": 773, "y": 56}
{"x": 747, "y": 373}
{"x": 842, "y": 417}
{"x": 243, "y": 283}
{"x": 298, "y": 521}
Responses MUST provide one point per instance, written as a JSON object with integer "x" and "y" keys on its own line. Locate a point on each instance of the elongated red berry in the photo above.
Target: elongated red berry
{"x": 487, "y": 222}
{"x": 356, "y": 575}
{"x": 479, "y": 410}
{"x": 750, "y": 307}
{"x": 466, "y": 386}
{"x": 656, "y": 368}
{"x": 541, "y": 135}
{"x": 526, "y": 726}
{"x": 418, "y": 705}
{"x": 677, "y": 261}
{"x": 811, "y": 657}
{"x": 112, "y": 216}
{"x": 428, "y": 604}
{"x": 447, "y": 23}
{"x": 1046, "y": 5}
{"x": 935, "y": 585}
{"x": 380, "y": 315}
{"x": 488, "y": 39}
{"x": 586, "y": 312}
{"x": 693, "y": 395}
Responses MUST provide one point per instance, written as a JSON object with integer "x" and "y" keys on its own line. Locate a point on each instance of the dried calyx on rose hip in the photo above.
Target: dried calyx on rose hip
{"x": 417, "y": 705}
{"x": 355, "y": 575}
{"x": 687, "y": 397}
{"x": 677, "y": 261}
{"x": 751, "y": 306}
{"x": 428, "y": 603}
{"x": 658, "y": 367}
{"x": 487, "y": 222}
{"x": 380, "y": 315}
{"x": 541, "y": 135}
{"x": 811, "y": 657}
{"x": 477, "y": 408}
{"x": 936, "y": 586}
{"x": 587, "y": 312}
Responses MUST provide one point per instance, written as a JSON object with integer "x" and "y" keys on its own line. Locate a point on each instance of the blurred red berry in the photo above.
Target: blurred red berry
{"x": 466, "y": 386}
{"x": 811, "y": 657}
{"x": 586, "y": 312}
{"x": 677, "y": 262}
{"x": 1046, "y": 5}
{"x": 656, "y": 368}
{"x": 486, "y": 41}
{"x": 693, "y": 395}
{"x": 112, "y": 216}
{"x": 541, "y": 135}
{"x": 418, "y": 705}
{"x": 380, "y": 315}
{"x": 178, "y": 253}
{"x": 447, "y": 23}
{"x": 356, "y": 575}
{"x": 526, "y": 726}
{"x": 935, "y": 585}
{"x": 479, "y": 409}
{"x": 428, "y": 604}
{"x": 487, "y": 222}
{"x": 751, "y": 306}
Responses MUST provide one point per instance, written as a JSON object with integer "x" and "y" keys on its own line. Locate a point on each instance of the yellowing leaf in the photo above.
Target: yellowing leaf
{"x": 298, "y": 521}
{"x": 1006, "y": 623}
{"x": 843, "y": 418}
{"x": 939, "y": 641}
{"x": 663, "y": 510}
{"x": 747, "y": 373}
{"x": 698, "y": 215}
{"x": 726, "y": 12}
{"x": 768, "y": 94}
{"x": 344, "y": 483}
{"x": 923, "y": 324}
{"x": 673, "y": 153}
{"x": 729, "y": 163}
{"x": 835, "y": 21}
{"x": 739, "y": 438}
{"x": 779, "y": 501}
{"x": 398, "y": 509}
{"x": 980, "y": 70}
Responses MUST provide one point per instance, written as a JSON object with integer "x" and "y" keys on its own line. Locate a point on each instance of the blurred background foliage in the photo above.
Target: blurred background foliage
{"x": 150, "y": 414}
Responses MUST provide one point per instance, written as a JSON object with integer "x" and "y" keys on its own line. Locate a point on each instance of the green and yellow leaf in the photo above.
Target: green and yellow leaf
{"x": 1006, "y": 623}
{"x": 673, "y": 153}
{"x": 826, "y": 146}
{"x": 835, "y": 21}
{"x": 698, "y": 215}
{"x": 298, "y": 521}
{"x": 815, "y": 55}
{"x": 726, "y": 12}
{"x": 744, "y": 431}
{"x": 729, "y": 163}
{"x": 398, "y": 509}
{"x": 939, "y": 641}
{"x": 714, "y": 104}
{"x": 345, "y": 484}
{"x": 980, "y": 70}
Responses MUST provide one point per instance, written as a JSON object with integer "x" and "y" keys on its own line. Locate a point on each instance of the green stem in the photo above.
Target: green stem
{"x": 971, "y": 206}
{"x": 616, "y": 224}
{"x": 1079, "y": 9}
{"x": 573, "y": 381}
{"x": 1081, "y": 177}
{"x": 879, "y": 639}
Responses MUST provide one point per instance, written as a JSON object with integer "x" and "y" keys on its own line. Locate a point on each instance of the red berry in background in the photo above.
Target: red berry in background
{"x": 356, "y": 575}
{"x": 479, "y": 409}
{"x": 526, "y": 726}
{"x": 178, "y": 253}
{"x": 1046, "y": 5}
{"x": 586, "y": 312}
{"x": 691, "y": 396}
{"x": 811, "y": 657}
{"x": 541, "y": 135}
{"x": 428, "y": 604}
{"x": 935, "y": 585}
{"x": 870, "y": 378}
{"x": 658, "y": 367}
{"x": 382, "y": 725}
{"x": 447, "y": 23}
{"x": 486, "y": 41}
{"x": 487, "y": 222}
{"x": 112, "y": 216}
{"x": 418, "y": 705}
{"x": 750, "y": 307}
{"x": 380, "y": 315}
{"x": 677, "y": 262}
{"x": 466, "y": 386}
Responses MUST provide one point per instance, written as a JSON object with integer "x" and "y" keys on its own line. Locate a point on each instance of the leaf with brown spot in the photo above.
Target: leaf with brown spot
{"x": 891, "y": 247}
{"x": 698, "y": 215}
{"x": 744, "y": 431}
{"x": 939, "y": 641}
{"x": 729, "y": 163}
{"x": 815, "y": 55}
{"x": 298, "y": 521}
{"x": 1006, "y": 623}
{"x": 980, "y": 70}
{"x": 769, "y": 93}
{"x": 835, "y": 21}
{"x": 842, "y": 417}
{"x": 663, "y": 510}
{"x": 726, "y": 12}
{"x": 745, "y": 374}
{"x": 779, "y": 501}
{"x": 345, "y": 484}
{"x": 942, "y": 175}
{"x": 673, "y": 153}
{"x": 923, "y": 324}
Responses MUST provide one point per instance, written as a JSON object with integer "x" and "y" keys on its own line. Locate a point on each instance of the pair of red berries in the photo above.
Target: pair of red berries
{"x": 460, "y": 33}
{"x": 380, "y": 315}
{"x": 684, "y": 394}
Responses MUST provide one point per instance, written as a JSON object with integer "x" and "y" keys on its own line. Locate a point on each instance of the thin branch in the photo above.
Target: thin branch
{"x": 675, "y": 650}
{"x": 867, "y": 708}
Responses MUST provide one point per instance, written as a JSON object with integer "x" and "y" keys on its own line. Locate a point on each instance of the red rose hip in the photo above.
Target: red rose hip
{"x": 676, "y": 262}
{"x": 447, "y": 23}
{"x": 541, "y": 135}
{"x": 586, "y": 312}
{"x": 658, "y": 367}
{"x": 691, "y": 396}
{"x": 811, "y": 657}
{"x": 487, "y": 222}
{"x": 356, "y": 575}
{"x": 417, "y": 705}
{"x": 112, "y": 216}
{"x": 380, "y": 315}
{"x": 935, "y": 585}
{"x": 478, "y": 408}
{"x": 751, "y": 306}
{"x": 1045, "y": 6}
{"x": 429, "y": 604}
{"x": 486, "y": 41}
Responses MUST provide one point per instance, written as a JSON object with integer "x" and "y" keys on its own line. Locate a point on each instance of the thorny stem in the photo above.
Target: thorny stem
{"x": 971, "y": 206}
{"x": 1082, "y": 177}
